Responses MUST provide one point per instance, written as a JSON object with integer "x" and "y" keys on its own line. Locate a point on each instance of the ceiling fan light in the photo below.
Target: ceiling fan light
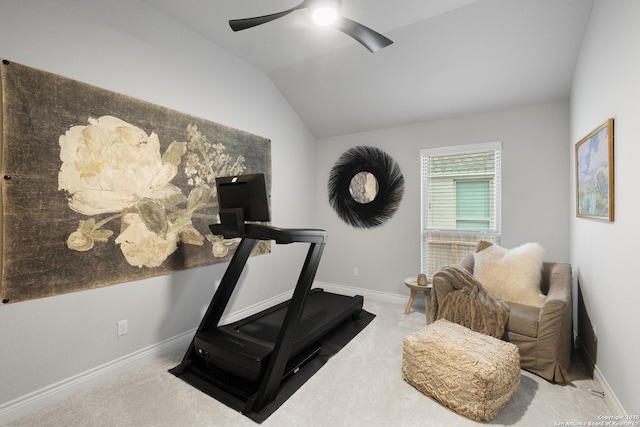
{"x": 324, "y": 15}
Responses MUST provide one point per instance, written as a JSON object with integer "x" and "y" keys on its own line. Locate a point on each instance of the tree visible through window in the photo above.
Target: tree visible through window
{"x": 460, "y": 202}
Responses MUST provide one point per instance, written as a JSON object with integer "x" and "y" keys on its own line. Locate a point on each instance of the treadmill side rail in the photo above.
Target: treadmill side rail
{"x": 284, "y": 344}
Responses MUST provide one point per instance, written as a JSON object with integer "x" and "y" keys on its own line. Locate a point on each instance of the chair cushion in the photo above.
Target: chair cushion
{"x": 511, "y": 274}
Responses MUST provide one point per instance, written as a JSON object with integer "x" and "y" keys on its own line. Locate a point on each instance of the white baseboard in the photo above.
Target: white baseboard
{"x": 367, "y": 293}
{"x": 610, "y": 397}
{"x": 53, "y": 393}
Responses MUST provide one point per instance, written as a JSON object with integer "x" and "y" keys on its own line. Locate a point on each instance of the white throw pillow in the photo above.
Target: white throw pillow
{"x": 512, "y": 275}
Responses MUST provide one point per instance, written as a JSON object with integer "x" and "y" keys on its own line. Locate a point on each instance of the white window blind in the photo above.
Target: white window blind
{"x": 460, "y": 202}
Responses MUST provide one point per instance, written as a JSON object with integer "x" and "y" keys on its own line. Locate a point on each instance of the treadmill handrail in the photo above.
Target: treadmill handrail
{"x": 269, "y": 232}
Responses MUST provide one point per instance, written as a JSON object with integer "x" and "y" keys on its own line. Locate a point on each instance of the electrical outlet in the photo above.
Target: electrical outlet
{"x": 355, "y": 271}
{"x": 123, "y": 327}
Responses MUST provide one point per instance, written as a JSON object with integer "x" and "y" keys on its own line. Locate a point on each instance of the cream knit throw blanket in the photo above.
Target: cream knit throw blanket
{"x": 470, "y": 304}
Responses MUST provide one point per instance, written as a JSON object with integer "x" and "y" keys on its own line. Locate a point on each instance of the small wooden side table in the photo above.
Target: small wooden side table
{"x": 412, "y": 284}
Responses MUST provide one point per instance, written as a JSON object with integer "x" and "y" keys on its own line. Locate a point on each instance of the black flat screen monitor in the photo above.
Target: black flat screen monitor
{"x": 243, "y": 198}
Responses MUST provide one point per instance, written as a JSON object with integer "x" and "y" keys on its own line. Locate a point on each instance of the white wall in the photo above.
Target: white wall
{"x": 534, "y": 195}
{"x": 606, "y": 84}
{"x": 127, "y": 47}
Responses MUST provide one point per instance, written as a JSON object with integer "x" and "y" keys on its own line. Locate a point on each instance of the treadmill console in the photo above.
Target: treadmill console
{"x": 243, "y": 198}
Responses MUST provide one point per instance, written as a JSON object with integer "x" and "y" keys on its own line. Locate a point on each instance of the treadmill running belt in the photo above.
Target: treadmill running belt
{"x": 243, "y": 348}
{"x": 321, "y": 307}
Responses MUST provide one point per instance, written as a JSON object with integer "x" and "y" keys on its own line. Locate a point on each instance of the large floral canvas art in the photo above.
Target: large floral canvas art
{"x": 100, "y": 188}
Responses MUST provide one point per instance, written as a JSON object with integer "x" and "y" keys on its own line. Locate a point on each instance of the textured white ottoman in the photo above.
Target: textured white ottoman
{"x": 472, "y": 374}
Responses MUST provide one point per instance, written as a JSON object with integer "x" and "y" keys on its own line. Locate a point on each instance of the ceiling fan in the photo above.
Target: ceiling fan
{"x": 323, "y": 12}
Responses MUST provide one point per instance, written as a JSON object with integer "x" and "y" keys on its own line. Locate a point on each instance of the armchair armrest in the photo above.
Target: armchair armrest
{"x": 441, "y": 287}
{"x": 554, "y": 328}
{"x": 558, "y": 301}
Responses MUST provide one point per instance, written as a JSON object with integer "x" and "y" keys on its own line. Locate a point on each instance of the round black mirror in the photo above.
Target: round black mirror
{"x": 365, "y": 187}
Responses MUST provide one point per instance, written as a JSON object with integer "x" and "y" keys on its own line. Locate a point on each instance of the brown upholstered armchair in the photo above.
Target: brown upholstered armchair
{"x": 543, "y": 335}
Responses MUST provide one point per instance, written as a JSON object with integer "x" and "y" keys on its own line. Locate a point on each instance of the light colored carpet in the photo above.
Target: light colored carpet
{"x": 360, "y": 386}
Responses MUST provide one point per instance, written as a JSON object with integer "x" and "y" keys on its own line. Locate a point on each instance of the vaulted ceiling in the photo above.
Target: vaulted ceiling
{"x": 449, "y": 57}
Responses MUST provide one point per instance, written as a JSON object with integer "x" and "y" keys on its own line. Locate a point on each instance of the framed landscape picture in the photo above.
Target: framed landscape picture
{"x": 594, "y": 174}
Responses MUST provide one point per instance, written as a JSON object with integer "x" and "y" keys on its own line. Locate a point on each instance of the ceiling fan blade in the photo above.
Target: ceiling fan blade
{"x": 370, "y": 39}
{"x": 243, "y": 24}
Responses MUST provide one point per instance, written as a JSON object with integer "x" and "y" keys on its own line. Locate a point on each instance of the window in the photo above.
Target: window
{"x": 460, "y": 202}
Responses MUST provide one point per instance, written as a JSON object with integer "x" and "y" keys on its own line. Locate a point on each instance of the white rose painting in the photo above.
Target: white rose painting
{"x": 112, "y": 167}
{"x": 109, "y": 164}
{"x": 115, "y": 189}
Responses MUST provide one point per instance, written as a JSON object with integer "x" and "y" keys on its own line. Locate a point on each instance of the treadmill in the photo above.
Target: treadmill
{"x": 248, "y": 364}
